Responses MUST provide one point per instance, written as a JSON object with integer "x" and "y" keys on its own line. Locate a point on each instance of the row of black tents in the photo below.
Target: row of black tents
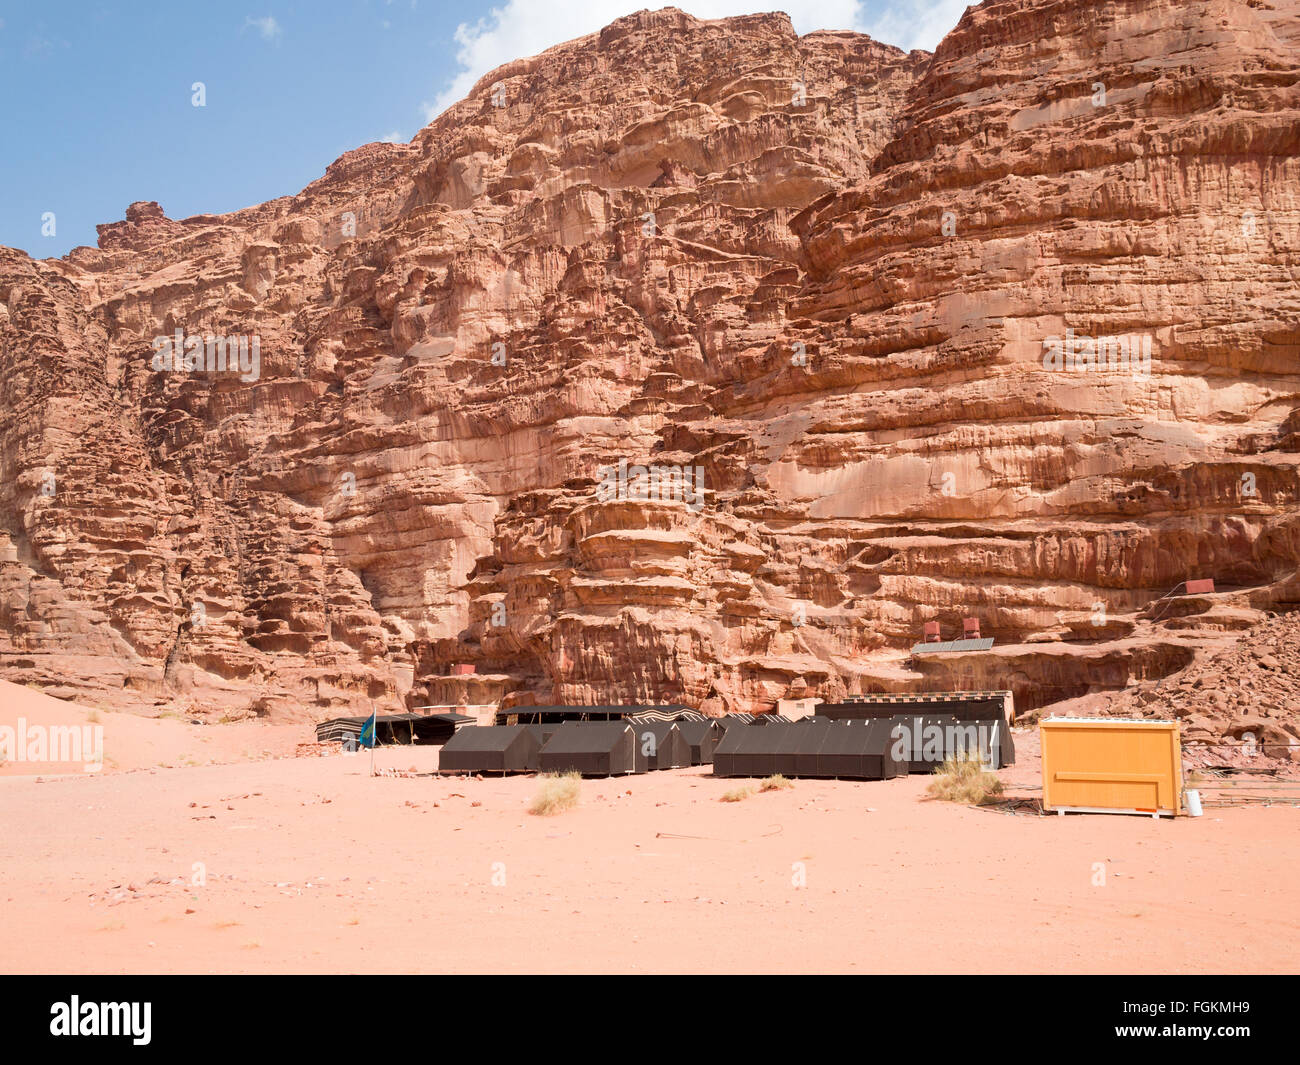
{"x": 592, "y": 748}
{"x": 859, "y": 748}
{"x": 862, "y": 748}
{"x": 393, "y": 728}
{"x": 864, "y": 738}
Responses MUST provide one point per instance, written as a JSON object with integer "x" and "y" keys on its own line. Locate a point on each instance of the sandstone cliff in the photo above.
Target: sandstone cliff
{"x": 814, "y": 280}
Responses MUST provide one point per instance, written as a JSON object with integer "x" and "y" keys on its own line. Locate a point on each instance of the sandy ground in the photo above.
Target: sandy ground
{"x": 283, "y": 864}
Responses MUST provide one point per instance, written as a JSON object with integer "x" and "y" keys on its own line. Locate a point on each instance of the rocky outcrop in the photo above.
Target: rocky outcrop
{"x": 691, "y": 361}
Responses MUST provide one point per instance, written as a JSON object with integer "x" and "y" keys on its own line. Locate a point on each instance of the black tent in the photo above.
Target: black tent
{"x": 987, "y": 710}
{"x": 860, "y": 750}
{"x": 490, "y": 749}
{"x": 749, "y": 750}
{"x": 796, "y": 738}
{"x": 592, "y": 748}
{"x": 807, "y": 759}
{"x": 922, "y": 740}
{"x": 543, "y": 731}
{"x": 701, "y": 737}
{"x": 532, "y": 714}
{"x": 660, "y": 745}
{"x": 853, "y": 750}
{"x": 394, "y": 728}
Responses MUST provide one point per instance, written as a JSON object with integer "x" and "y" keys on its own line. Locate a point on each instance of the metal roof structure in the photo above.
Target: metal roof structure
{"x": 534, "y": 714}
{"x": 949, "y": 646}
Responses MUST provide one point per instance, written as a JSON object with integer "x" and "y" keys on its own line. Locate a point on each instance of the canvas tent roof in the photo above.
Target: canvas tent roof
{"x": 592, "y": 748}
{"x": 393, "y": 728}
{"x": 525, "y": 715}
{"x": 490, "y": 749}
{"x": 701, "y": 737}
{"x": 665, "y": 740}
{"x": 810, "y": 748}
{"x": 990, "y": 708}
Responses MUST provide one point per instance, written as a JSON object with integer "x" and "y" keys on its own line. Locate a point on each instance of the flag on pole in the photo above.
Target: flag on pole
{"x": 367, "y": 737}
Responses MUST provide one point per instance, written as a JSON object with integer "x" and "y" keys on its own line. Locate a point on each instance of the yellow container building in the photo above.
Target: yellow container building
{"x": 1111, "y": 766}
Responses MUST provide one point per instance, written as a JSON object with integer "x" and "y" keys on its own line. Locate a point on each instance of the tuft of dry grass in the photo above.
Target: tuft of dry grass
{"x": 558, "y": 792}
{"x": 775, "y": 783}
{"x": 738, "y": 794}
{"x": 963, "y": 778}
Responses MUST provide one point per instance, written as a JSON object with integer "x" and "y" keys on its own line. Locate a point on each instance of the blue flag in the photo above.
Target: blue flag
{"x": 367, "y": 737}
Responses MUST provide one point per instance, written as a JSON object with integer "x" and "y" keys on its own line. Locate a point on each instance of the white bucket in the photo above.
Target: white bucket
{"x": 1193, "y": 803}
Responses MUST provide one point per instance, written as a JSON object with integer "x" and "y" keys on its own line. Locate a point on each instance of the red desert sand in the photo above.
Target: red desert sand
{"x": 261, "y": 863}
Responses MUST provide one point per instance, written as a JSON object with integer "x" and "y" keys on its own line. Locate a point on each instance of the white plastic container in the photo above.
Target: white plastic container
{"x": 1193, "y": 803}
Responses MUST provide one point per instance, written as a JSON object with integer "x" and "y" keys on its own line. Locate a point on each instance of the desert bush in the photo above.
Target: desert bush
{"x": 775, "y": 783}
{"x": 738, "y": 794}
{"x": 558, "y": 792}
{"x": 963, "y": 778}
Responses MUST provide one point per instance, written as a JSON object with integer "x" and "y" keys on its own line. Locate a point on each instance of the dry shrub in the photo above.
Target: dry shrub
{"x": 776, "y": 783}
{"x": 963, "y": 778}
{"x": 738, "y": 794}
{"x": 558, "y": 792}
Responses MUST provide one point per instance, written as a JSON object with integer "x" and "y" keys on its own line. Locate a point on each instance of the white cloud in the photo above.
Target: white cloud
{"x": 266, "y": 26}
{"x": 916, "y": 23}
{"x": 525, "y": 27}
{"x": 392, "y": 138}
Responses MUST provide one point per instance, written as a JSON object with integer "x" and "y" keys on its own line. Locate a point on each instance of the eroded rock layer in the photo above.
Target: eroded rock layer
{"x": 848, "y": 302}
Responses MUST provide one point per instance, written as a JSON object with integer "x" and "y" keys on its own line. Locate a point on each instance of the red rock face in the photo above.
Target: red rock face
{"x": 844, "y": 305}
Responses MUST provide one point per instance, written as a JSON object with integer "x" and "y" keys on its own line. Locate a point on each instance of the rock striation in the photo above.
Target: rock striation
{"x": 690, "y": 361}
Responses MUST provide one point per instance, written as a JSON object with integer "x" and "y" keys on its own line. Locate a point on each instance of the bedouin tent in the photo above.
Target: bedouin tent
{"x": 701, "y": 737}
{"x": 544, "y": 731}
{"x": 860, "y": 750}
{"x": 929, "y": 740}
{"x": 807, "y": 759}
{"x": 491, "y": 749}
{"x": 660, "y": 745}
{"x": 531, "y": 714}
{"x": 990, "y": 709}
{"x": 592, "y": 748}
{"x": 394, "y": 728}
{"x": 749, "y": 750}
{"x": 851, "y": 750}
{"x": 922, "y": 740}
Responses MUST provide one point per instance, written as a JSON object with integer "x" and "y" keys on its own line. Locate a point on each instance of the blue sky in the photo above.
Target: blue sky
{"x": 98, "y": 95}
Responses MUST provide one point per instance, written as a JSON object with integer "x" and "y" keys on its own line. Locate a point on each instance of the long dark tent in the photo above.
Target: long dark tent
{"x": 394, "y": 728}
{"x": 491, "y": 749}
{"x": 592, "y": 748}
{"x": 533, "y": 715}
{"x": 749, "y": 750}
{"x": 660, "y": 745}
{"x": 701, "y": 737}
{"x": 808, "y": 760}
{"x": 990, "y": 710}
{"x": 860, "y": 750}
